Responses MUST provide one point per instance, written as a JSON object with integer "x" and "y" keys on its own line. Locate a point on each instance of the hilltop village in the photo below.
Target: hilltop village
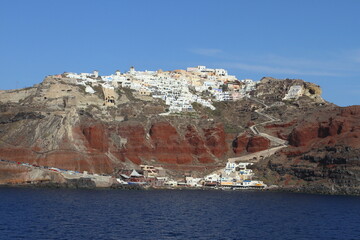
{"x": 176, "y": 91}
{"x": 198, "y": 127}
{"x": 179, "y": 88}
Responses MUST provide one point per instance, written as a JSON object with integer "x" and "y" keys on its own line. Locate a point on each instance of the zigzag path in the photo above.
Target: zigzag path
{"x": 280, "y": 143}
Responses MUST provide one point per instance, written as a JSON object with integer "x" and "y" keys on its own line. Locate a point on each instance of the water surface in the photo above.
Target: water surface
{"x": 172, "y": 214}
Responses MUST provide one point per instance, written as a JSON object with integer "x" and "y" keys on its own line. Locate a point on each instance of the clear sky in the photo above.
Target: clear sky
{"x": 318, "y": 41}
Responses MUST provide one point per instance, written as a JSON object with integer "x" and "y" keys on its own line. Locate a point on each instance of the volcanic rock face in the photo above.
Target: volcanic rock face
{"x": 257, "y": 144}
{"x": 216, "y": 140}
{"x": 247, "y": 143}
{"x": 130, "y": 142}
{"x": 323, "y": 156}
{"x": 100, "y": 147}
{"x": 240, "y": 143}
{"x": 272, "y": 89}
{"x": 58, "y": 124}
{"x": 341, "y": 126}
{"x": 18, "y": 174}
{"x": 163, "y": 143}
{"x": 168, "y": 145}
{"x": 96, "y": 137}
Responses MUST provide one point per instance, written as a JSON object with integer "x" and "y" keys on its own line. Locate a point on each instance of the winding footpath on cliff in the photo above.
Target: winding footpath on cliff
{"x": 280, "y": 143}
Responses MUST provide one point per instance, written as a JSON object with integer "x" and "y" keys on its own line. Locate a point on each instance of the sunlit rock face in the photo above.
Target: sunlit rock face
{"x": 61, "y": 124}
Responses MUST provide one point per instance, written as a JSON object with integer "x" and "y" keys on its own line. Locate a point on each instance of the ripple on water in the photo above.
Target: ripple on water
{"x": 116, "y": 214}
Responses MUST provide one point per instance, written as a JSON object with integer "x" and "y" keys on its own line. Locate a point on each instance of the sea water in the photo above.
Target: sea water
{"x": 175, "y": 214}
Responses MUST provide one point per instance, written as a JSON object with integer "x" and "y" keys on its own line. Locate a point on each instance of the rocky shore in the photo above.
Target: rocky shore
{"x": 84, "y": 183}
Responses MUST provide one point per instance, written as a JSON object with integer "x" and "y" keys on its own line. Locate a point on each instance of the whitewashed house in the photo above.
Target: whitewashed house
{"x": 294, "y": 92}
{"x": 193, "y": 182}
{"x": 221, "y": 72}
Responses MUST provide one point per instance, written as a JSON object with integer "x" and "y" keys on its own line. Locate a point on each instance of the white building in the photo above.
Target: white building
{"x": 132, "y": 70}
{"x": 212, "y": 177}
{"x": 172, "y": 87}
{"x": 221, "y": 72}
{"x": 294, "y": 92}
{"x": 193, "y": 182}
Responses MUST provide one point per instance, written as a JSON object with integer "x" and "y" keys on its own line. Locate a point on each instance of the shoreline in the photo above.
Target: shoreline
{"x": 300, "y": 190}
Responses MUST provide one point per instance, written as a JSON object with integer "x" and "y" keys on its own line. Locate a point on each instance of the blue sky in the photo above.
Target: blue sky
{"x": 318, "y": 41}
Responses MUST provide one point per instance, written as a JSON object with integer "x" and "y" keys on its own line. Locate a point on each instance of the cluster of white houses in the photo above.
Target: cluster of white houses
{"x": 234, "y": 175}
{"x": 178, "y": 88}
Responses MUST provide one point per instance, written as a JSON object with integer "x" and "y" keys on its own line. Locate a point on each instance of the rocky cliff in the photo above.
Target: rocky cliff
{"x": 323, "y": 153}
{"x": 57, "y": 123}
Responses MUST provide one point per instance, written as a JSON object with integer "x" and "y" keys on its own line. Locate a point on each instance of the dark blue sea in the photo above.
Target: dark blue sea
{"x": 175, "y": 214}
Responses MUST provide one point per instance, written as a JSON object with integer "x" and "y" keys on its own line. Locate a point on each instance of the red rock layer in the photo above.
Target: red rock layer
{"x": 338, "y": 127}
{"x": 168, "y": 146}
{"x": 282, "y": 125}
{"x": 99, "y": 147}
{"x": 240, "y": 143}
{"x": 246, "y": 143}
{"x": 136, "y": 146}
{"x": 197, "y": 145}
{"x": 215, "y": 140}
{"x": 97, "y": 137}
{"x": 165, "y": 144}
{"x": 257, "y": 143}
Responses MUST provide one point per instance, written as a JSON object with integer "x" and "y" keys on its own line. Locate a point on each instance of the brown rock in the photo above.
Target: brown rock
{"x": 215, "y": 140}
{"x": 303, "y": 134}
{"x": 97, "y": 137}
{"x": 257, "y": 143}
{"x": 240, "y": 143}
{"x": 169, "y": 147}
